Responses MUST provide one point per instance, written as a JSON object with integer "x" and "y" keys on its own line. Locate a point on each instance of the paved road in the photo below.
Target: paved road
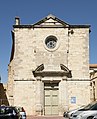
{"x": 45, "y": 117}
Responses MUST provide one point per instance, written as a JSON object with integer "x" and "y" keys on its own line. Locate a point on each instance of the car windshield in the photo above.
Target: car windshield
{"x": 89, "y": 106}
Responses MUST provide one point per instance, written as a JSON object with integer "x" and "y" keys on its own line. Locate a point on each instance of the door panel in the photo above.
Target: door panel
{"x": 55, "y": 110}
{"x": 48, "y": 110}
{"x": 51, "y": 100}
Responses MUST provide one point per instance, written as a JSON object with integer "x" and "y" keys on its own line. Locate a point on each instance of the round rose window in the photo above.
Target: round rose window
{"x": 51, "y": 42}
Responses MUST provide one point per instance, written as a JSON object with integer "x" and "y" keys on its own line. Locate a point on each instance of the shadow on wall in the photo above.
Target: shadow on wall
{"x": 3, "y": 97}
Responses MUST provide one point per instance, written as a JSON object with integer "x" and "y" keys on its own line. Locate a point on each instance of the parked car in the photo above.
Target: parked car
{"x": 9, "y": 112}
{"x": 88, "y": 112}
{"x": 68, "y": 114}
{"x": 21, "y": 112}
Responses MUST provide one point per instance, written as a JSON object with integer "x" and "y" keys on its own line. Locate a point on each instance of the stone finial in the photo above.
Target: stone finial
{"x": 17, "y": 21}
{"x": 50, "y": 16}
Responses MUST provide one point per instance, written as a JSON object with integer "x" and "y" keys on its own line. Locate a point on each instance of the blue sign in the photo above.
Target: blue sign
{"x": 73, "y": 100}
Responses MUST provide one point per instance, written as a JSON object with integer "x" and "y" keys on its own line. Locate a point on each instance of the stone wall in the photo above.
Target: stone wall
{"x": 30, "y": 51}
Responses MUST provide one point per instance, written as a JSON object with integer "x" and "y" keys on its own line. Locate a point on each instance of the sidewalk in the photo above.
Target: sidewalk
{"x": 45, "y": 117}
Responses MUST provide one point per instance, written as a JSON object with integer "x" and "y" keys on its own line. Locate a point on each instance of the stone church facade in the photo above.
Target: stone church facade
{"x": 48, "y": 71}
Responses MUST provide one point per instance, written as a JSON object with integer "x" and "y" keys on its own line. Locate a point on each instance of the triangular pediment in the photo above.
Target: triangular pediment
{"x": 51, "y": 20}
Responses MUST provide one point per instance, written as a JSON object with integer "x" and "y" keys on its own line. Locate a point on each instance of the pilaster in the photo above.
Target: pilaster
{"x": 39, "y": 96}
{"x": 63, "y": 95}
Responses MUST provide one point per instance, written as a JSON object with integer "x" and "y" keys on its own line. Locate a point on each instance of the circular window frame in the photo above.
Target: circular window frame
{"x": 57, "y": 43}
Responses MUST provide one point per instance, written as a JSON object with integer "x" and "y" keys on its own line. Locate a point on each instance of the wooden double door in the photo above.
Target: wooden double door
{"x": 51, "y": 98}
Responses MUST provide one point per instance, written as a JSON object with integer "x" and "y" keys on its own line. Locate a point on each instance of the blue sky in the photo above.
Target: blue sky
{"x": 31, "y": 11}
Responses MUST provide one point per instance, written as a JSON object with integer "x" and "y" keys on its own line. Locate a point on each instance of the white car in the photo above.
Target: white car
{"x": 85, "y": 113}
{"x": 70, "y": 113}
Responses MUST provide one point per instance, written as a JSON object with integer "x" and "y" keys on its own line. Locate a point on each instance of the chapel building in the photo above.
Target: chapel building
{"x": 48, "y": 71}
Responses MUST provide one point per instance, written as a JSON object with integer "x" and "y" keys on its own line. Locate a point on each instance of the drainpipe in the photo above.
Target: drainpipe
{"x": 70, "y": 32}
